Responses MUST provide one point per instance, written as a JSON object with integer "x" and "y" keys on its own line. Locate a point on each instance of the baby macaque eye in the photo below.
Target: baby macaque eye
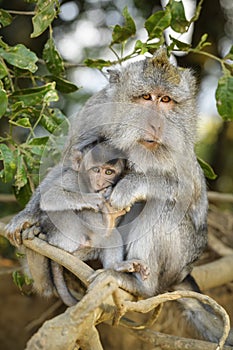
{"x": 109, "y": 171}
{"x": 96, "y": 169}
{"x": 147, "y": 97}
{"x": 165, "y": 99}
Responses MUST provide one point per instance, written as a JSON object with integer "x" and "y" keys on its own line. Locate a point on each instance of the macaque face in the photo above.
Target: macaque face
{"x": 103, "y": 176}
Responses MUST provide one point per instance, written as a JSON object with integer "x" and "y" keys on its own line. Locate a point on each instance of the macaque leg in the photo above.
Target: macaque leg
{"x": 134, "y": 265}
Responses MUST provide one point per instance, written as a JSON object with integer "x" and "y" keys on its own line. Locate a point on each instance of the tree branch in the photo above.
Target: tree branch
{"x": 214, "y": 274}
{"x": 97, "y": 306}
{"x": 220, "y": 197}
{"x": 105, "y": 301}
{"x": 171, "y": 342}
{"x": 7, "y": 198}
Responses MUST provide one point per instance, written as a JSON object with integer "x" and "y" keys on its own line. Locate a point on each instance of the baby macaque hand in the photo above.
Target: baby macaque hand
{"x": 32, "y": 231}
{"x": 107, "y": 192}
{"x": 94, "y": 201}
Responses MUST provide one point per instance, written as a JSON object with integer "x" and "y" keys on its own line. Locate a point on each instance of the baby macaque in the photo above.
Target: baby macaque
{"x": 88, "y": 233}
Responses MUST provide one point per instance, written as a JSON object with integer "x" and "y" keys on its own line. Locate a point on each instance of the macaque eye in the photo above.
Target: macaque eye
{"x": 147, "y": 97}
{"x": 165, "y": 99}
{"x": 109, "y": 172}
{"x": 96, "y": 169}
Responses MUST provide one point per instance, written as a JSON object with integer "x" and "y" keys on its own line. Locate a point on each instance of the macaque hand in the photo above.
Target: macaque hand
{"x": 121, "y": 197}
{"x": 94, "y": 201}
{"x": 15, "y": 228}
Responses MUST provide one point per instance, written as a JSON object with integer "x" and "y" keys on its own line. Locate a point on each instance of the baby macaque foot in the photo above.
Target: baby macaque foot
{"x": 31, "y": 232}
{"x": 134, "y": 265}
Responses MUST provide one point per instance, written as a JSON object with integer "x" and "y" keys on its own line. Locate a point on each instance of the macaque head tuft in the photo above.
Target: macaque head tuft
{"x": 160, "y": 61}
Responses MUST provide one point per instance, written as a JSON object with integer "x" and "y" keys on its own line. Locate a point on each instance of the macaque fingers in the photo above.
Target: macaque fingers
{"x": 110, "y": 215}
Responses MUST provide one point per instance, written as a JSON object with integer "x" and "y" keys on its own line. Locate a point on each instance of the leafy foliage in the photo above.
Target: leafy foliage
{"x": 121, "y": 34}
{"x": 21, "y": 280}
{"x": 45, "y": 13}
{"x": 208, "y": 171}
{"x": 33, "y": 106}
{"x": 30, "y": 107}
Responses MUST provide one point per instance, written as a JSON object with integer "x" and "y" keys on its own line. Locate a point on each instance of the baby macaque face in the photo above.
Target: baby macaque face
{"x": 103, "y": 176}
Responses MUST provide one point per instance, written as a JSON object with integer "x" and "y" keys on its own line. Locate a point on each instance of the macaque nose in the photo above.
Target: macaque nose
{"x": 100, "y": 182}
{"x": 152, "y": 137}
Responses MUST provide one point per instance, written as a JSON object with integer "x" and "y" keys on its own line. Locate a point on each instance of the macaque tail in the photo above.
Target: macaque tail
{"x": 61, "y": 286}
{"x": 200, "y": 315}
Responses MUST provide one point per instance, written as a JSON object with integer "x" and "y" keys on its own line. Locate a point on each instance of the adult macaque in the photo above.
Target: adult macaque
{"x": 148, "y": 111}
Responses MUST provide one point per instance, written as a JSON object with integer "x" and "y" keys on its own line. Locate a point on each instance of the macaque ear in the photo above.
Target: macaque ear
{"x": 76, "y": 157}
{"x": 114, "y": 75}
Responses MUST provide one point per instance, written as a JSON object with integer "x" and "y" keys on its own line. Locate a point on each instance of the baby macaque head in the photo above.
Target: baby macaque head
{"x": 102, "y": 165}
{"x": 104, "y": 175}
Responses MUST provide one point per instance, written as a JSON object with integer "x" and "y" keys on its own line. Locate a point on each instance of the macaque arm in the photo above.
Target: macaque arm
{"x": 198, "y": 209}
{"x": 57, "y": 198}
{"x": 132, "y": 188}
{"x": 26, "y": 218}
{"x": 30, "y": 215}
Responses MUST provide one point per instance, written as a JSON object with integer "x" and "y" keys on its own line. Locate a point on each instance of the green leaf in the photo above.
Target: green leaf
{"x": 202, "y": 43}
{"x": 147, "y": 47}
{"x": 58, "y": 116}
{"x": 3, "y": 70}
{"x": 48, "y": 123}
{"x": 207, "y": 169}
{"x": 45, "y": 14}
{"x": 23, "y": 194}
{"x": 39, "y": 141}
{"x": 179, "y": 44}
{"x": 9, "y": 163}
{"x": 5, "y": 18}
{"x": 19, "y": 56}
{"x": 197, "y": 11}
{"x": 51, "y": 96}
{"x": 52, "y": 58}
{"x": 121, "y": 34}
{"x": 36, "y": 96}
{"x": 21, "y": 173}
{"x": 99, "y": 64}
{"x": 20, "y": 280}
{"x": 37, "y": 145}
{"x": 23, "y": 122}
{"x": 179, "y": 22}
{"x": 3, "y": 102}
{"x": 157, "y": 22}
{"x": 224, "y": 97}
{"x": 62, "y": 85}
{"x": 3, "y": 44}
{"x": 19, "y": 111}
